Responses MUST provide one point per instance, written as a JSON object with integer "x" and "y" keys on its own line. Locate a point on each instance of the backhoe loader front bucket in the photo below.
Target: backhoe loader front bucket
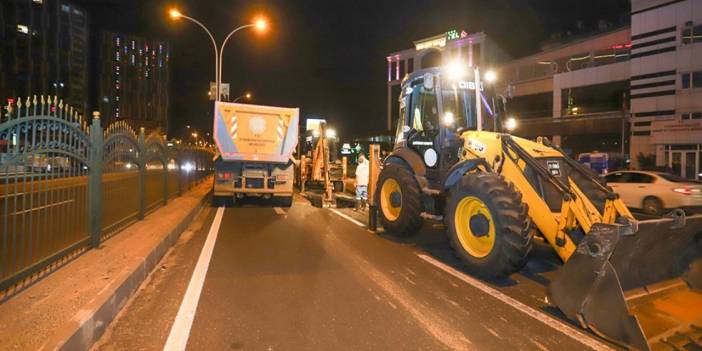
{"x": 637, "y": 284}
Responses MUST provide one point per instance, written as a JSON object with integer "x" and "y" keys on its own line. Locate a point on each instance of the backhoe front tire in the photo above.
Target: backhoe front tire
{"x": 399, "y": 200}
{"x": 488, "y": 225}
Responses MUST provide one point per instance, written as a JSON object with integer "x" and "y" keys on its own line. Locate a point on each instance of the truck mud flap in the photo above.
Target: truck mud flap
{"x": 638, "y": 285}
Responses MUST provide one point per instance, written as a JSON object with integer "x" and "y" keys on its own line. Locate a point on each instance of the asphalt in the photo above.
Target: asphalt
{"x": 306, "y": 278}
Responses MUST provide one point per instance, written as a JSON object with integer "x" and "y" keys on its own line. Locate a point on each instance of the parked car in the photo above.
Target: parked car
{"x": 656, "y": 192}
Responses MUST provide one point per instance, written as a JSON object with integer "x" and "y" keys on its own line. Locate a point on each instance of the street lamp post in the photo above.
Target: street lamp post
{"x": 247, "y": 96}
{"x": 175, "y": 14}
{"x": 260, "y": 24}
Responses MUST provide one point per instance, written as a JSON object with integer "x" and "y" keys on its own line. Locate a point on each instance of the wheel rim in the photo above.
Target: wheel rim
{"x": 391, "y": 199}
{"x": 474, "y": 226}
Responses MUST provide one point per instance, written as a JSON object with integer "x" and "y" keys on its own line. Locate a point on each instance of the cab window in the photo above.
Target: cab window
{"x": 425, "y": 112}
{"x": 461, "y": 103}
{"x": 401, "y": 123}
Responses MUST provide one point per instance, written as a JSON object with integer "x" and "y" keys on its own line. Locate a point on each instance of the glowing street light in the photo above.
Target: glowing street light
{"x": 246, "y": 96}
{"x": 174, "y": 13}
{"x": 260, "y": 24}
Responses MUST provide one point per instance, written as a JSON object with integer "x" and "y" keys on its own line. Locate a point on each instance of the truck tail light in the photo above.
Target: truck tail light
{"x": 224, "y": 176}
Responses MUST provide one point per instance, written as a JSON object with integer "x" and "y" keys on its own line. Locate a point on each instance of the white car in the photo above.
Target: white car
{"x": 656, "y": 192}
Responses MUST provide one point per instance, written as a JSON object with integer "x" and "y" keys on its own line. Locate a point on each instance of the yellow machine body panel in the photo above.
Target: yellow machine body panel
{"x": 578, "y": 211}
{"x": 623, "y": 278}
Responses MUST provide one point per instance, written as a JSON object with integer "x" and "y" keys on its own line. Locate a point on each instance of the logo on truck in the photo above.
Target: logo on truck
{"x": 257, "y": 125}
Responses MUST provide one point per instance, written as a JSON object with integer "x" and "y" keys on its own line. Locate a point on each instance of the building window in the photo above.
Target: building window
{"x": 393, "y": 67}
{"x": 692, "y": 34}
{"x": 22, "y": 29}
{"x": 691, "y": 80}
{"x": 691, "y": 116}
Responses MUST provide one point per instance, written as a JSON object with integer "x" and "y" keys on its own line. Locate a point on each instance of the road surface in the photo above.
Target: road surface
{"x": 305, "y": 278}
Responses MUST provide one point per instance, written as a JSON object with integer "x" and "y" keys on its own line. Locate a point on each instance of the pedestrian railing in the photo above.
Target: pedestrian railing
{"x": 66, "y": 184}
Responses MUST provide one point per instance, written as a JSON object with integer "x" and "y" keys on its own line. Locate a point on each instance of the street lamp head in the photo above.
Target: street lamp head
{"x": 248, "y": 95}
{"x": 261, "y": 24}
{"x": 174, "y": 13}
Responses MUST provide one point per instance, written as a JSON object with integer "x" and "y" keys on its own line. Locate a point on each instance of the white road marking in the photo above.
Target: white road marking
{"x": 180, "y": 331}
{"x": 279, "y": 210}
{"x": 569, "y": 331}
{"x": 358, "y": 223}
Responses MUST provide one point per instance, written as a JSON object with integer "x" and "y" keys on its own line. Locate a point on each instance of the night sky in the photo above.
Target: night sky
{"x": 325, "y": 56}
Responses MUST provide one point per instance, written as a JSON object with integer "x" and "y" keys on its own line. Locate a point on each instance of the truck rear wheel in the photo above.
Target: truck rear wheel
{"x": 219, "y": 201}
{"x": 488, "y": 225}
{"x": 399, "y": 201}
{"x": 284, "y": 201}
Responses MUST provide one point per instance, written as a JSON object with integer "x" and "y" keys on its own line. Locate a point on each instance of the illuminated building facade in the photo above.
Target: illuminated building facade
{"x": 135, "y": 81}
{"x": 44, "y": 50}
{"x": 666, "y": 84}
{"x": 575, "y": 93}
{"x": 634, "y": 91}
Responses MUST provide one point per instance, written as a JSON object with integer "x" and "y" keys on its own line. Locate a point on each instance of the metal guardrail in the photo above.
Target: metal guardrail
{"x": 66, "y": 185}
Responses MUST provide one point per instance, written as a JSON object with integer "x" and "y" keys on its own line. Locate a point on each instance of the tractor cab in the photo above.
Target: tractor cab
{"x": 436, "y": 106}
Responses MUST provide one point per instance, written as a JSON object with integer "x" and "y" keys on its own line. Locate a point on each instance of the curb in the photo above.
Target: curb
{"x": 84, "y": 333}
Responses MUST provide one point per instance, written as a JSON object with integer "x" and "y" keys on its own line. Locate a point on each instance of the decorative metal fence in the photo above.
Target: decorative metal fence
{"x": 66, "y": 185}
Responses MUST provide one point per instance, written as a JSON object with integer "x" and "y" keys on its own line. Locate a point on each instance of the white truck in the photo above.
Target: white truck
{"x": 255, "y": 145}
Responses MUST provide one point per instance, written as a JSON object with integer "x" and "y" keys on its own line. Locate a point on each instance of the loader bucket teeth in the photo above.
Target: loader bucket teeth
{"x": 637, "y": 289}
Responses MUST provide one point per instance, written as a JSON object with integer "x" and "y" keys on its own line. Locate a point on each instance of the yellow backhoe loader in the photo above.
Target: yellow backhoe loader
{"x": 636, "y": 283}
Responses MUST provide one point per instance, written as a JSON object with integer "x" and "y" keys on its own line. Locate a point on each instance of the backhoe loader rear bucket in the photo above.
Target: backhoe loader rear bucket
{"x": 639, "y": 284}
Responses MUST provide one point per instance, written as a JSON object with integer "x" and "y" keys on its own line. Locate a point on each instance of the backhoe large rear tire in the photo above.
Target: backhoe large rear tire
{"x": 488, "y": 225}
{"x": 399, "y": 201}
